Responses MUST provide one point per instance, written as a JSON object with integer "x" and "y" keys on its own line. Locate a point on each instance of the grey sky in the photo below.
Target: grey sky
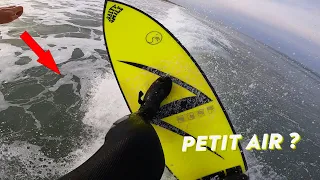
{"x": 290, "y": 26}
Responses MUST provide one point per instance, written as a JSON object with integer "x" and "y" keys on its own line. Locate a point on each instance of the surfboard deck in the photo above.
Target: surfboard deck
{"x": 140, "y": 50}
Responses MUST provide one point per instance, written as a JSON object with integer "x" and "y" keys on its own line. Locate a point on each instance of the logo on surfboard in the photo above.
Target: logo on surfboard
{"x": 113, "y": 12}
{"x": 154, "y": 37}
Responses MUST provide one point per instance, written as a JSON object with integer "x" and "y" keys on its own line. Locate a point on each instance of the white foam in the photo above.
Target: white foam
{"x": 9, "y": 70}
{"x": 30, "y": 159}
{"x": 105, "y": 106}
{"x": 258, "y": 170}
{"x": 192, "y": 33}
{"x": 3, "y": 104}
{"x": 54, "y": 14}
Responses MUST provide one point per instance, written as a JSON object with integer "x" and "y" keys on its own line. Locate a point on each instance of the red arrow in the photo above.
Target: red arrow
{"x": 45, "y": 57}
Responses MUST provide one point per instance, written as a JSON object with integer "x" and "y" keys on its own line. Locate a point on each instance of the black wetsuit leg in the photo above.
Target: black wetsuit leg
{"x": 132, "y": 150}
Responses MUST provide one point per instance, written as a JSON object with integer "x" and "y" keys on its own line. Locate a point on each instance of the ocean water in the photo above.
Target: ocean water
{"x": 50, "y": 124}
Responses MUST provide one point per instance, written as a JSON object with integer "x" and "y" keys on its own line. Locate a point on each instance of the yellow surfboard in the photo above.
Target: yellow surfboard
{"x": 141, "y": 50}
